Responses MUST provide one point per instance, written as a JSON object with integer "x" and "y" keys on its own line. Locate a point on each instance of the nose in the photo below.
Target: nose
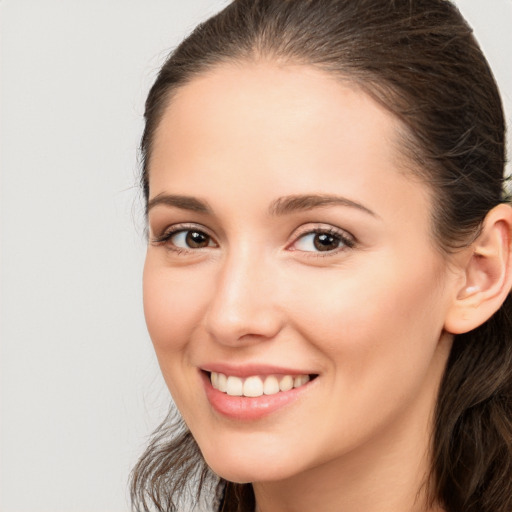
{"x": 244, "y": 307}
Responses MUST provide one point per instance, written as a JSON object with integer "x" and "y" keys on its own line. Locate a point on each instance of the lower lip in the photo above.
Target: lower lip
{"x": 249, "y": 408}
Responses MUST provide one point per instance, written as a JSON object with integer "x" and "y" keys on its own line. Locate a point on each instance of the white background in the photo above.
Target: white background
{"x": 80, "y": 387}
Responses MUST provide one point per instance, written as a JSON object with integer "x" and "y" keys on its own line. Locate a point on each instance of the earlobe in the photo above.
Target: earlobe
{"x": 487, "y": 270}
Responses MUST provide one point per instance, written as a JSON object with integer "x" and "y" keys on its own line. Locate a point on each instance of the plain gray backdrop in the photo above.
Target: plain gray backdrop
{"x": 80, "y": 386}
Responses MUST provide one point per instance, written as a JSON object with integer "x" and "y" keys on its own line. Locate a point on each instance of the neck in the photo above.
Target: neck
{"x": 385, "y": 485}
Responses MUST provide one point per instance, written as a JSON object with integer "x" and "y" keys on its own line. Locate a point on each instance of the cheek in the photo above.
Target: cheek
{"x": 365, "y": 316}
{"x": 378, "y": 334}
{"x": 173, "y": 304}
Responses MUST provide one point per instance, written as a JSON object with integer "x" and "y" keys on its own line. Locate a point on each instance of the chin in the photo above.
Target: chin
{"x": 246, "y": 467}
{"x": 245, "y": 475}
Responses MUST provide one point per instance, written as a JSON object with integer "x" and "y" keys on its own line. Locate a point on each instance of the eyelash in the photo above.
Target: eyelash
{"x": 167, "y": 235}
{"x": 347, "y": 240}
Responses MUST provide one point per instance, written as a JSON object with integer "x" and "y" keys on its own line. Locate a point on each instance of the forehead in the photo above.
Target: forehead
{"x": 265, "y": 106}
{"x": 261, "y": 126}
{"x": 269, "y": 98}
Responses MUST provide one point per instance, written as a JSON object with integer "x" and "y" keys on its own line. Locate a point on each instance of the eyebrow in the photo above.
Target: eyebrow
{"x": 183, "y": 202}
{"x": 290, "y": 204}
{"x": 280, "y": 206}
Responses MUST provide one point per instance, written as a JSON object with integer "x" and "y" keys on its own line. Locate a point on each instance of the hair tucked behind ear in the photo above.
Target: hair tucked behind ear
{"x": 419, "y": 59}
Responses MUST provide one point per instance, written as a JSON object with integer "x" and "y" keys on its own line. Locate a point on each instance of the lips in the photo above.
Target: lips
{"x": 248, "y": 394}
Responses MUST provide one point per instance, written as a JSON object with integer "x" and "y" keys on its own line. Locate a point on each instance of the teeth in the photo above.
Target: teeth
{"x": 235, "y": 386}
{"x": 271, "y": 385}
{"x": 222, "y": 382}
{"x": 286, "y": 383}
{"x": 300, "y": 381}
{"x": 255, "y": 386}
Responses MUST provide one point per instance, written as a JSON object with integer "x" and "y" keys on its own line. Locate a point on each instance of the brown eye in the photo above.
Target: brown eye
{"x": 197, "y": 239}
{"x": 323, "y": 241}
{"x": 326, "y": 242}
{"x": 186, "y": 239}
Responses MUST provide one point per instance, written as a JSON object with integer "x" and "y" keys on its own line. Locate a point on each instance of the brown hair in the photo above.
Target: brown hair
{"x": 420, "y": 60}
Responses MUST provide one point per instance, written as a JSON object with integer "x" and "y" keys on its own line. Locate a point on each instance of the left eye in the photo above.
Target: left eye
{"x": 320, "y": 241}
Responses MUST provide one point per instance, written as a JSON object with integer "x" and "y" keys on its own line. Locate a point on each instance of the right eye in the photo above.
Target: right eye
{"x": 182, "y": 238}
{"x": 191, "y": 239}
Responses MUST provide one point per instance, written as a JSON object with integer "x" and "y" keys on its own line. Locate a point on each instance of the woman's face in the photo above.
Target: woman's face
{"x": 289, "y": 247}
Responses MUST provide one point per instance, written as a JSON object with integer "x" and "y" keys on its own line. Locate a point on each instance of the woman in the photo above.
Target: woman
{"x": 329, "y": 262}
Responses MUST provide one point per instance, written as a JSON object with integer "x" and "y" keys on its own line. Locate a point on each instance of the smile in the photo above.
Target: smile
{"x": 256, "y": 386}
{"x": 254, "y": 393}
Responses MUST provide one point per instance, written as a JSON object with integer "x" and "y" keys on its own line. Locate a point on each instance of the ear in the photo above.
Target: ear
{"x": 486, "y": 268}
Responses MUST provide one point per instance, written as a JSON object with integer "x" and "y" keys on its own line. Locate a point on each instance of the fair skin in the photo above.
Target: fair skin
{"x": 346, "y": 287}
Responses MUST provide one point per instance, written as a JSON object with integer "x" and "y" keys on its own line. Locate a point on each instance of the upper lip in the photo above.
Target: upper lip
{"x": 247, "y": 370}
